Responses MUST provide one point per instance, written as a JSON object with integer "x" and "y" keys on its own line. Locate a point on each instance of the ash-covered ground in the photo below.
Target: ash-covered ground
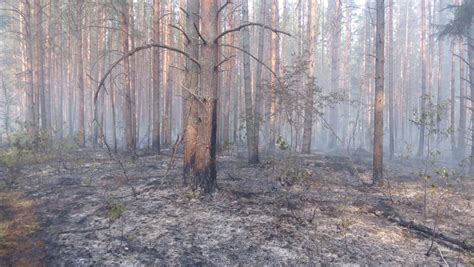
{"x": 291, "y": 209}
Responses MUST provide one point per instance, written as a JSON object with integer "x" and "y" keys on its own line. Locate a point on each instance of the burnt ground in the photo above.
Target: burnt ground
{"x": 289, "y": 210}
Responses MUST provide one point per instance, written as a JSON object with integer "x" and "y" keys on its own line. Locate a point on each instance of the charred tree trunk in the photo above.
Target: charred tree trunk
{"x": 204, "y": 169}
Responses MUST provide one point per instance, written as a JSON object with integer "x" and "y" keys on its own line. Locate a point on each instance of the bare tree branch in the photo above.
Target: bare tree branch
{"x": 223, "y": 6}
{"x": 182, "y": 31}
{"x": 224, "y": 61}
{"x": 248, "y": 25}
{"x": 131, "y": 53}
{"x": 463, "y": 59}
{"x": 199, "y": 33}
{"x": 252, "y": 56}
{"x": 184, "y": 11}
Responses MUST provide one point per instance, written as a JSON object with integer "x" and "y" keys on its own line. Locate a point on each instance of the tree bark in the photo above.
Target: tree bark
{"x": 80, "y": 74}
{"x": 128, "y": 105}
{"x": 462, "y": 103}
{"x": 335, "y": 71}
{"x": 452, "y": 101}
{"x": 204, "y": 169}
{"x": 191, "y": 116}
{"x": 275, "y": 66}
{"x": 421, "y": 142}
{"x": 26, "y": 28}
{"x": 251, "y": 112}
{"x": 439, "y": 93}
{"x": 156, "y": 76}
{"x": 471, "y": 82}
{"x": 310, "y": 83}
{"x": 38, "y": 76}
{"x": 379, "y": 92}
{"x": 391, "y": 87}
{"x": 100, "y": 105}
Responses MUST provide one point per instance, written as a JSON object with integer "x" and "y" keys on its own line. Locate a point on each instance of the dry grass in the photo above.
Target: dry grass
{"x": 18, "y": 224}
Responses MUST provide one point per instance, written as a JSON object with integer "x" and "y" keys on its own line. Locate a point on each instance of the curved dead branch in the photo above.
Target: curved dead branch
{"x": 248, "y": 25}
{"x": 131, "y": 53}
{"x": 199, "y": 34}
{"x": 252, "y": 56}
{"x": 224, "y": 6}
{"x": 182, "y": 31}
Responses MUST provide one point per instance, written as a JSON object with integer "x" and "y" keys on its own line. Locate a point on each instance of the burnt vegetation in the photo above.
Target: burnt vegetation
{"x": 217, "y": 132}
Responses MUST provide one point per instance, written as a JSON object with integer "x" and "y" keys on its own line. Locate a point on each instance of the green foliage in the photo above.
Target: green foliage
{"x": 27, "y": 149}
{"x": 115, "y": 209}
{"x": 3, "y": 235}
{"x": 282, "y": 143}
{"x": 431, "y": 115}
{"x": 226, "y": 147}
{"x": 192, "y": 195}
{"x": 460, "y": 25}
{"x": 297, "y": 174}
{"x": 443, "y": 172}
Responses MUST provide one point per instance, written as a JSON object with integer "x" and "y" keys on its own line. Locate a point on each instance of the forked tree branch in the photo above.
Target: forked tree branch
{"x": 248, "y": 25}
{"x": 131, "y": 53}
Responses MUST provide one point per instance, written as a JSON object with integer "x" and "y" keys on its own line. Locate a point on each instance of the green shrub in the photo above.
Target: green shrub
{"x": 115, "y": 209}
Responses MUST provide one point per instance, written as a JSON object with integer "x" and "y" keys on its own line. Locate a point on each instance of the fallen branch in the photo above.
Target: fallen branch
{"x": 388, "y": 212}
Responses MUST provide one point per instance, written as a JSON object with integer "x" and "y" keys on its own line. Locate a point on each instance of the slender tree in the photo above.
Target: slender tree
{"x": 80, "y": 73}
{"x": 156, "y": 78}
{"x": 379, "y": 91}
{"x": 309, "y": 101}
{"x": 128, "y": 99}
{"x": 391, "y": 87}
{"x": 335, "y": 70}
{"x": 421, "y": 142}
{"x": 250, "y": 115}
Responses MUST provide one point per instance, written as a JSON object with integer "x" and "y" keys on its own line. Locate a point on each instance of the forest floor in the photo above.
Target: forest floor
{"x": 291, "y": 209}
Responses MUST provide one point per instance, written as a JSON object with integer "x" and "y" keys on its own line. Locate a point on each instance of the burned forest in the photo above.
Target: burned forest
{"x": 236, "y": 132}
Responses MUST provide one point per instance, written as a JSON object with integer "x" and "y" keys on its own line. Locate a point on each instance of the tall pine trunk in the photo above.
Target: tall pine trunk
{"x": 391, "y": 87}
{"x": 250, "y": 115}
{"x": 80, "y": 75}
{"x": 156, "y": 76}
{"x": 310, "y": 83}
{"x": 379, "y": 92}
{"x": 127, "y": 104}
{"x": 421, "y": 140}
